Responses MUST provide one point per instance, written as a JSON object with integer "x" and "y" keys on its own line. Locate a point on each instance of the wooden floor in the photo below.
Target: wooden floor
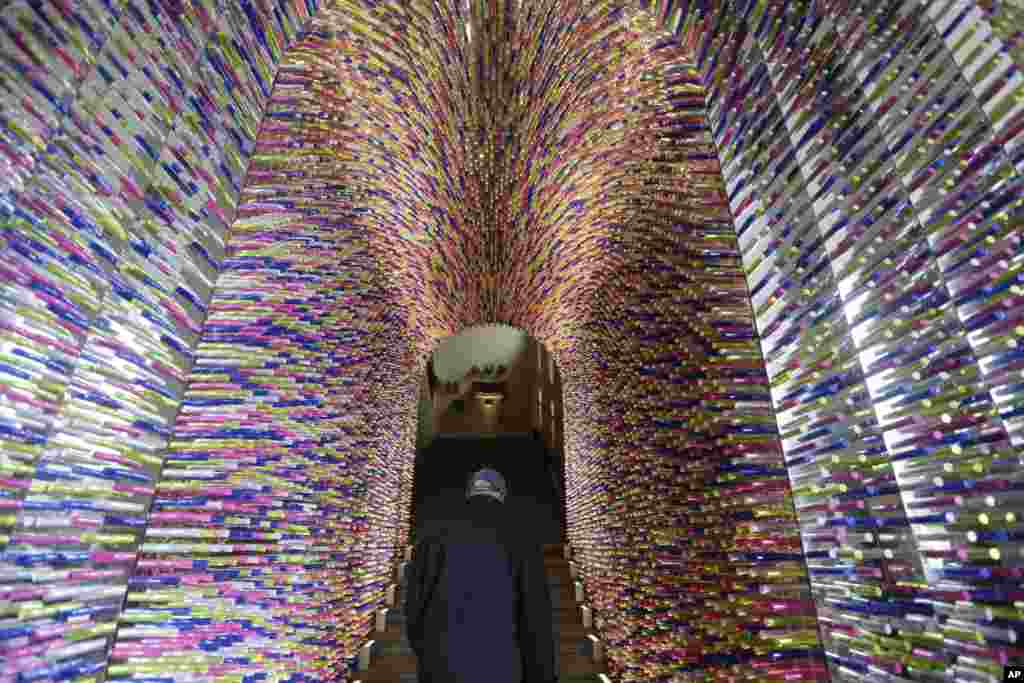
{"x": 393, "y": 660}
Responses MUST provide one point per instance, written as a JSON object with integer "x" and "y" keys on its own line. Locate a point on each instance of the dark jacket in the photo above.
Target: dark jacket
{"x": 478, "y": 607}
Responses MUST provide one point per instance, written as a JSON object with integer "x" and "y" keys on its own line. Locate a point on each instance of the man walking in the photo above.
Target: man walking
{"x": 478, "y": 608}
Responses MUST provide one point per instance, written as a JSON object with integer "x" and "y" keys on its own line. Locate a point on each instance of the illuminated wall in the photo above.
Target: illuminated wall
{"x": 873, "y": 159}
{"x": 126, "y": 130}
{"x": 209, "y": 393}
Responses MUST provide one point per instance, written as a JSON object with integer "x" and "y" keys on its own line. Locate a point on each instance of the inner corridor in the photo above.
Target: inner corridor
{"x": 441, "y": 473}
{"x": 758, "y": 271}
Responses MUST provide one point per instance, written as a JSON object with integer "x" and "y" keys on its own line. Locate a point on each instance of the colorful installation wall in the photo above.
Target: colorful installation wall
{"x": 679, "y": 504}
{"x": 207, "y": 419}
{"x": 872, "y": 156}
{"x": 775, "y": 247}
{"x": 127, "y": 128}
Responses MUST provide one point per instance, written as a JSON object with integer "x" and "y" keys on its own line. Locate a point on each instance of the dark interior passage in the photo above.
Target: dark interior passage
{"x": 443, "y": 468}
{"x": 534, "y": 477}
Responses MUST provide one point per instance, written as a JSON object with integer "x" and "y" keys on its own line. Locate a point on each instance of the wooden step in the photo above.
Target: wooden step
{"x": 570, "y": 665}
{"x": 567, "y": 649}
{"x": 393, "y": 632}
{"x": 387, "y": 669}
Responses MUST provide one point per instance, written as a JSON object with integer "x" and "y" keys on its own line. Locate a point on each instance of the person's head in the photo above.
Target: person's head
{"x": 487, "y": 482}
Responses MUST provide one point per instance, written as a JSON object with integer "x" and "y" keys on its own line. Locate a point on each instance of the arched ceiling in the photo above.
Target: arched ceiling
{"x": 490, "y": 153}
{"x": 478, "y": 346}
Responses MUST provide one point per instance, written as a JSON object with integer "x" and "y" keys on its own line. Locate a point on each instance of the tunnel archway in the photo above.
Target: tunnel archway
{"x": 208, "y": 405}
{"x": 510, "y": 420}
{"x": 505, "y": 377}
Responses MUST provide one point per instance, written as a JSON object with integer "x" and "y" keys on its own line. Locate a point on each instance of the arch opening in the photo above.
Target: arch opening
{"x": 509, "y": 419}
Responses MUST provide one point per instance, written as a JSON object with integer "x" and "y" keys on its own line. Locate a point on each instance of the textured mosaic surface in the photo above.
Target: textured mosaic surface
{"x": 872, "y": 154}
{"x": 775, "y": 247}
{"x": 126, "y": 128}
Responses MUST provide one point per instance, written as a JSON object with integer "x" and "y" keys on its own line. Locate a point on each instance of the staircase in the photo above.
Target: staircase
{"x": 390, "y": 658}
{"x": 576, "y": 661}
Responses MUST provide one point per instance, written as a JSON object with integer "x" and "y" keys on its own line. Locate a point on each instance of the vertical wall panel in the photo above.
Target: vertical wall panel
{"x": 875, "y": 195}
{"x": 127, "y": 128}
{"x": 680, "y": 511}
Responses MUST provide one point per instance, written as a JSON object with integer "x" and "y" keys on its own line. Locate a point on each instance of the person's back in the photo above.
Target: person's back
{"x": 478, "y": 608}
